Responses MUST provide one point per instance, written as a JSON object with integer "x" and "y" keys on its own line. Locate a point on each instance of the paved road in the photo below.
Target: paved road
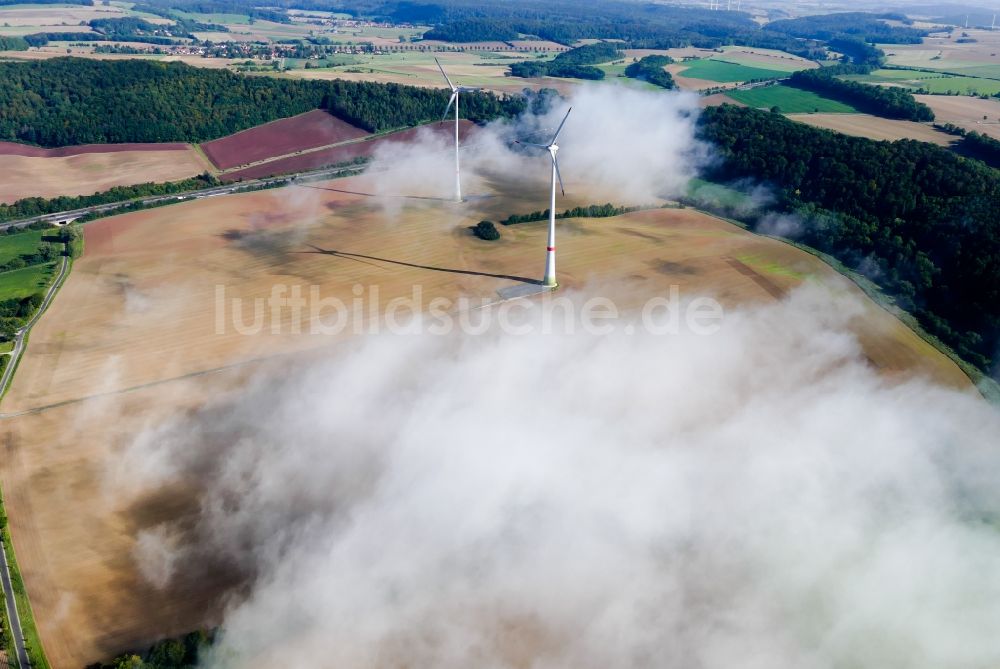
{"x": 15, "y": 620}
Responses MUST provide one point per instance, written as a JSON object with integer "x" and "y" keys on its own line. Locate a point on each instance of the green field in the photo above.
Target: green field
{"x": 12, "y": 246}
{"x": 23, "y": 282}
{"x": 984, "y": 71}
{"x": 932, "y": 81}
{"x": 790, "y": 100}
{"x": 221, "y": 19}
{"x": 711, "y": 69}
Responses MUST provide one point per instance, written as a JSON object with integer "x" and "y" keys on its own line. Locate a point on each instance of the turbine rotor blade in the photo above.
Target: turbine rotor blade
{"x": 537, "y": 146}
{"x": 448, "y": 108}
{"x": 555, "y": 161}
{"x": 451, "y": 85}
{"x": 559, "y": 129}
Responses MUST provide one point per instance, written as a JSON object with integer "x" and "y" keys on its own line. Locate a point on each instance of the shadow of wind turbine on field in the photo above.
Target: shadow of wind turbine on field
{"x": 358, "y": 257}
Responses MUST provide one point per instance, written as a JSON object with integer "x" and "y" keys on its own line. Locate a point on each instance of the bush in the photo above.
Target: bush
{"x": 487, "y": 231}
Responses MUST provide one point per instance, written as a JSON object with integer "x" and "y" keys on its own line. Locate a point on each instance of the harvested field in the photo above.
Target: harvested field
{"x": 135, "y": 334}
{"x": 15, "y": 149}
{"x": 341, "y": 154}
{"x": 278, "y": 138}
{"x": 945, "y": 52}
{"x": 767, "y": 58}
{"x": 482, "y": 68}
{"x": 26, "y": 19}
{"x": 875, "y": 127}
{"x": 718, "y": 99}
{"x": 973, "y": 114}
{"x": 83, "y": 170}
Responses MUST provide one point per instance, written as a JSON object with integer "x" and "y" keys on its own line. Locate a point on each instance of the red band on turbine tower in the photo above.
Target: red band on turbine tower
{"x": 551, "y": 248}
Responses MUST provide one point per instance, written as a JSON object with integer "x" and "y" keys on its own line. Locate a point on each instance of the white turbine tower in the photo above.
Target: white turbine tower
{"x": 455, "y": 91}
{"x": 550, "y": 249}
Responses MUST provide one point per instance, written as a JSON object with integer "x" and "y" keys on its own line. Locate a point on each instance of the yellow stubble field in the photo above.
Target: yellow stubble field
{"x": 134, "y": 338}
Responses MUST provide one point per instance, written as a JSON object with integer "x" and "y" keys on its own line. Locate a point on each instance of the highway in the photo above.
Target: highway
{"x": 235, "y": 187}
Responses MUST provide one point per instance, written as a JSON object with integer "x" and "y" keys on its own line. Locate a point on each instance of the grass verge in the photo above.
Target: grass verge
{"x": 32, "y": 642}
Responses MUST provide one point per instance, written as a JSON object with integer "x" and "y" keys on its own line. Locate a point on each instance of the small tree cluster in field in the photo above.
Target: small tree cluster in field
{"x": 487, "y": 231}
{"x": 167, "y": 654}
{"x": 15, "y": 312}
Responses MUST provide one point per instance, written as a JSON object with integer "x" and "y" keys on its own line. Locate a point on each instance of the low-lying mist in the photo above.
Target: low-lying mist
{"x": 627, "y": 145}
{"x": 759, "y": 497}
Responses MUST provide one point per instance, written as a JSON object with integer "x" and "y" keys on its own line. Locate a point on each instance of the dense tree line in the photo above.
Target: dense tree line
{"x": 650, "y": 68}
{"x": 67, "y": 101}
{"x": 132, "y": 29}
{"x": 576, "y": 63}
{"x": 974, "y": 144}
{"x": 12, "y": 43}
{"x": 592, "y": 211}
{"x": 15, "y": 313}
{"x": 473, "y": 30}
{"x": 248, "y": 8}
{"x": 886, "y": 101}
{"x": 858, "y": 51}
{"x": 640, "y": 25}
{"x": 982, "y": 147}
{"x": 865, "y": 26}
{"x": 920, "y": 216}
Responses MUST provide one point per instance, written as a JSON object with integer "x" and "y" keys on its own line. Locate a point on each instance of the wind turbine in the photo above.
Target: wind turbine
{"x": 550, "y": 252}
{"x": 455, "y": 91}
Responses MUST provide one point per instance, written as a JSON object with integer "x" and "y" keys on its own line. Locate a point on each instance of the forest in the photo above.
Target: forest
{"x": 8, "y": 43}
{"x": 884, "y": 101}
{"x": 576, "y": 63}
{"x": 247, "y": 8}
{"x": 973, "y": 144}
{"x": 919, "y": 217}
{"x": 68, "y": 101}
{"x": 650, "y": 68}
{"x": 640, "y": 25}
{"x": 859, "y": 25}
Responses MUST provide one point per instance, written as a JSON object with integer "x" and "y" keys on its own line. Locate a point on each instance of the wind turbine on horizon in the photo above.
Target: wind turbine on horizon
{"x": 455, "y": 91}
{"x": 550, "y": 253}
